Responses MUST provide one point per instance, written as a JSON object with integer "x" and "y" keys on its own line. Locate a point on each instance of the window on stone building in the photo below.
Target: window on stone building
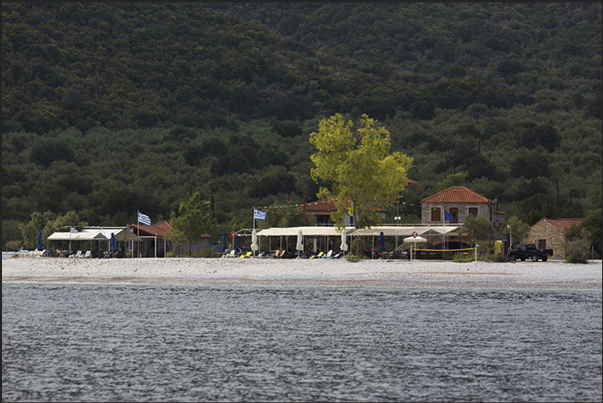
{"x": 473, "y": 211}
{"x": 454, "y": 211}
{"x": 436, "y": 214}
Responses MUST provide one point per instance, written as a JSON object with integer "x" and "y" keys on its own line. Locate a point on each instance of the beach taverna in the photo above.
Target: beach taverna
{"x": 93, "y": 239}
{"x": 441, "y": 218}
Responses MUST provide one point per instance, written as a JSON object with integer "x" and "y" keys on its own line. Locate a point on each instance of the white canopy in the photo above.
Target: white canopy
{"x": 306, "y": 231}
{"x": 402, "y": 230}
{"x": 80, "y": 236}
{"x": 96, "y": 234}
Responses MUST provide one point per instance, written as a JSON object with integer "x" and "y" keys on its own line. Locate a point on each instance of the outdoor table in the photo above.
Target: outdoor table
{"x": 62, "y": 253}
{"x": 106, "y": 255}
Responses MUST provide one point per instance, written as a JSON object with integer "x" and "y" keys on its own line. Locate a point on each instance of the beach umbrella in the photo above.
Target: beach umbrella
{"x": 381, "y": 242}
{"x": 112, "y": 243}
{"x": 417, "y": 239}
{"x": 254, "y": 240}
{"x": 223, "y": 241}
{"x": 300, "y": 242}
{"x": 40, "y": 247}
{"x": 238, "y": 243}
{"x": 344, "y": 245}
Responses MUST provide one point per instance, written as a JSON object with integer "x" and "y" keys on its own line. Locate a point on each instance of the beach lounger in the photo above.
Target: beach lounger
{"x": 318, "y": 255}
{"x": 78, "y": 254}
{"x": 88, "y": 254}
{"x": 276, "y": 253}
{"x": 230, "y": 254}
{"x": 245, "y": 255}
{"x": 328, "y": 255}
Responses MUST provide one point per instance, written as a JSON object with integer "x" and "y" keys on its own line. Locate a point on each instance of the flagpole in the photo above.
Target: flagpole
{"x": 444, "y": 234}
{"x": 138, "y": 226}
{"x": 253, "y": 229}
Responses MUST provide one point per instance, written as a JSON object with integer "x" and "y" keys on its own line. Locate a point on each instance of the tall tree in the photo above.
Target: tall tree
{"x": 194, "y": 218}
{"x": 362, "y": 174}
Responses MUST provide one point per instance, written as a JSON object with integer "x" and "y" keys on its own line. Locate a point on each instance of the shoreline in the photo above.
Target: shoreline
{"x": 551, "y": 275}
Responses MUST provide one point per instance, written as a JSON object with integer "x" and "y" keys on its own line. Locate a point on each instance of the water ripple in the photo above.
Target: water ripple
{"x": 83, "y": 342}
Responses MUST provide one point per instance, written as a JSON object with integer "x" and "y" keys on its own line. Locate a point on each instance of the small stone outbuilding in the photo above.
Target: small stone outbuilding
{"x": 548, "y": 233}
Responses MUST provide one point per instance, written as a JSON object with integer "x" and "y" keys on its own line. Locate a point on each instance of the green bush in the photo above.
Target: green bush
{"x": 460, "y": 258}
{"x": 497, "y": 258}
{"x": 577, "y": 258}
{"x": 207, "y": 252}
{"x": 353, "y": 258}
{"x": 170, "y": 254}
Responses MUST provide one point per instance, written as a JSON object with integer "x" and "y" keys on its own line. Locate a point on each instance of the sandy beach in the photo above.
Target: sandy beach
{"x": 306, "y": 272}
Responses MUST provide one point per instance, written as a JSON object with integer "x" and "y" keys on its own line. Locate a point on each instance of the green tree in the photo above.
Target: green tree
{"x": 515, "y": 229}
{"x": 194, "y": 219}
{"x": 174, "y": 235}
{"x": 357, "y": 165}
{"x": 47, "y": 222}
{"x": 592, "y": 224}
{"x": 480, "y": 230}
{"x": 576, "y": 244}
{"x": 454, "y": 179}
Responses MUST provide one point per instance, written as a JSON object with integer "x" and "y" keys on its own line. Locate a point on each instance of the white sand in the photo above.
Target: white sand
{"x": 309, "y": 272}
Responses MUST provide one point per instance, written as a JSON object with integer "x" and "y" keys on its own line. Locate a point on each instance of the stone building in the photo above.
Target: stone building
{"x": 548, "y": 233}
{"x": 459, "y": 202}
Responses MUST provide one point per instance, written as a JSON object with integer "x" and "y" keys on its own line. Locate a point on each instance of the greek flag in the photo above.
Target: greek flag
{"x": 448, "y": 216}
{"x": 144, "y": 219}
{"x": 259, "y": 214}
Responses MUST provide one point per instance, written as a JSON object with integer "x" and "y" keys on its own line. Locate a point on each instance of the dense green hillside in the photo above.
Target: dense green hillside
{"x": 109, "y": 108}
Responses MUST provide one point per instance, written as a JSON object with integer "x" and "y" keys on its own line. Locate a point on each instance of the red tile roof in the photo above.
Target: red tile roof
{"x": 158, "y": 229}
{"x": 325, "y": 207}
{"x": 456, "y": 194}
{"x": 561, "y": 224}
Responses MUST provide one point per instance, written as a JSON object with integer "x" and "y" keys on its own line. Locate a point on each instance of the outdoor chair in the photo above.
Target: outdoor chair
{"x": 317, "y": 255}
{"x": 78, "y": 254}
{"x": 88, "y": 254}
{"x": 328, "y": 255}
{"x": 245, "y": 255}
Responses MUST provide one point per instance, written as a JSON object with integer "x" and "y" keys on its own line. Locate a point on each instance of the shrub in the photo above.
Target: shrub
{"x": 353, "y": 258}
{"x": 497, "y": 258}
{"x": 576, "y": 258}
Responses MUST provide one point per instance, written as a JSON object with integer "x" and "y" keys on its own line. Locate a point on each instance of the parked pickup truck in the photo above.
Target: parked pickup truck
{"x": 530, "y": 251}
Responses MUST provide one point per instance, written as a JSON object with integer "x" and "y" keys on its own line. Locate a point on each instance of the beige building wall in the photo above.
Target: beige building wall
{"x": 482, "y": 210}
{"x": 545, "y": 236}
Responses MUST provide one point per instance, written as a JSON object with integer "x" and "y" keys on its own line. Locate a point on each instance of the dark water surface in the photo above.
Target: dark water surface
{"x": 88, "y": 342}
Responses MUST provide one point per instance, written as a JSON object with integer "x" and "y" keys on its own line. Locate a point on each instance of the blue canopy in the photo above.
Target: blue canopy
{"x": 381, "y": 242}
{"x": 223, "y": 248}
{"x": 112, "y": 243}
{"x": 40, "y": 247}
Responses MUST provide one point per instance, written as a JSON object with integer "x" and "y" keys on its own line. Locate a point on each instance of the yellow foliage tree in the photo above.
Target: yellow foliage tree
{"x": 357, "y": 165}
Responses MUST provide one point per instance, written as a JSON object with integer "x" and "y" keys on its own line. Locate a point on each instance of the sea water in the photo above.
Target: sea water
{"x": 92, "y": 342}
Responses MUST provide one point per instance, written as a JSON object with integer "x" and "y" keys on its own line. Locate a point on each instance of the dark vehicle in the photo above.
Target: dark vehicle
{"x": 530, "y": 251}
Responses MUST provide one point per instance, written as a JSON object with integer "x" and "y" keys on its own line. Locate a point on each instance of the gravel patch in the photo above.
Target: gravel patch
{"x": 310, "y": 272}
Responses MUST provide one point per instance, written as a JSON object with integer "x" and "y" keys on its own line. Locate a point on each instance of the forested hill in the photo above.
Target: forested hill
{"x": 109, "y": 108}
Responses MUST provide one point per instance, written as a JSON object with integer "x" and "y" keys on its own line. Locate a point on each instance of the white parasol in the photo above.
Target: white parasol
{"x": 300, "y": 241}
{"x": 344, "y": 245}
{"x": 254, "y": 240}
{"x": 415, "y": 239}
